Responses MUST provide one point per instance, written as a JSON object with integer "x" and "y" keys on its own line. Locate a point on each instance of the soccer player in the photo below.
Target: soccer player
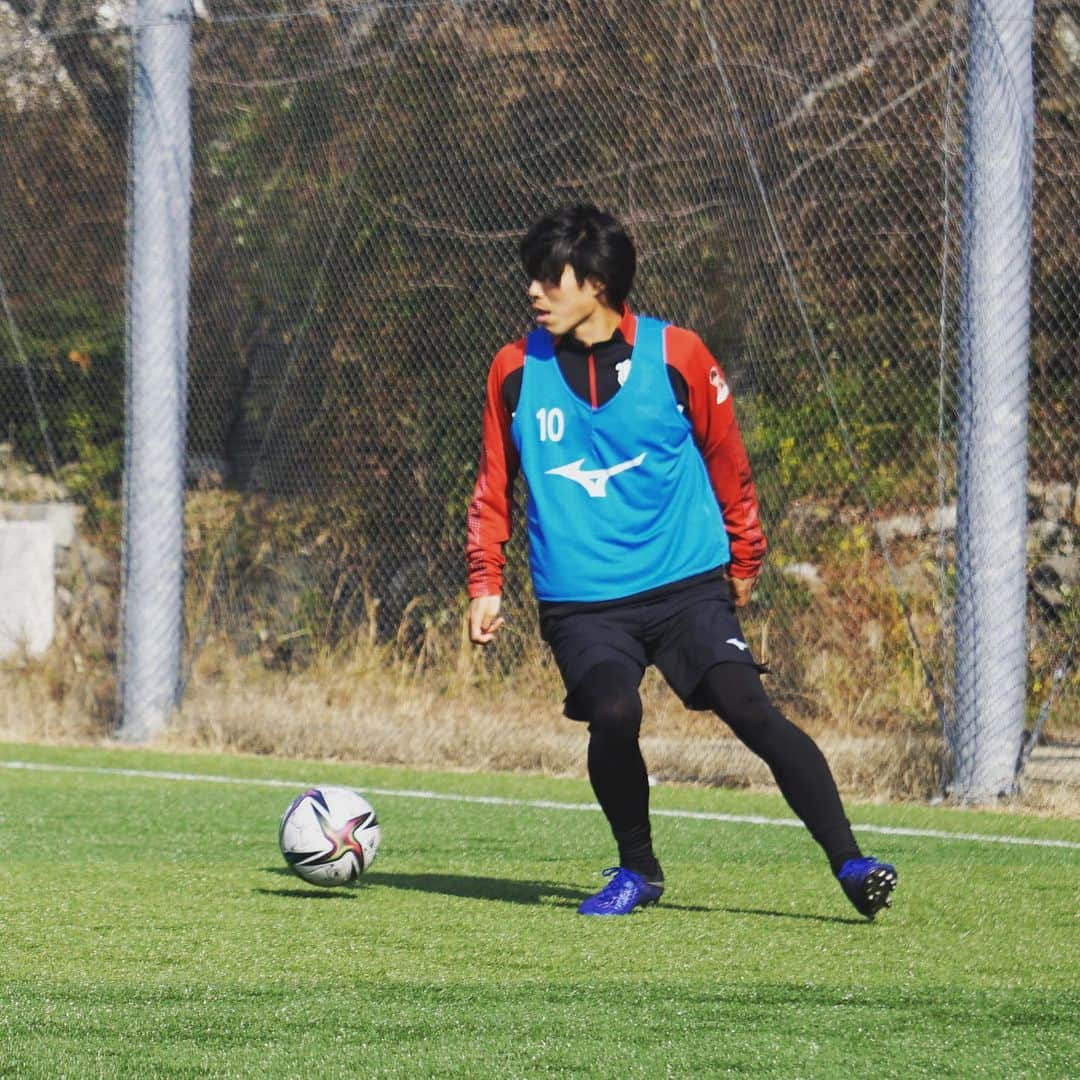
{"x": 643, "y": 540}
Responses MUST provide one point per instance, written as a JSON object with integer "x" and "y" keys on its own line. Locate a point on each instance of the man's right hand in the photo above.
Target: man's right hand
{"x": 484, "y": 619}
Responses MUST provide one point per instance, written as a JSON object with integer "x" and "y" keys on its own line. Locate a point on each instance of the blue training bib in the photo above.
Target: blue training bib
{"x": 619, "y": 500}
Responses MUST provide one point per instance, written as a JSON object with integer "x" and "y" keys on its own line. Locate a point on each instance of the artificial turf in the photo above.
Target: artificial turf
{"x": 151, "y": 928}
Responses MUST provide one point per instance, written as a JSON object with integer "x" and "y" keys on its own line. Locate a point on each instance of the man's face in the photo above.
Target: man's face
{"x": 561, "y": 306}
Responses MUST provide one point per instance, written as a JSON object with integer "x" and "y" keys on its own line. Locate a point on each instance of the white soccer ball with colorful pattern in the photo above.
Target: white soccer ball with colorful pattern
{"x": 329, "y": 835}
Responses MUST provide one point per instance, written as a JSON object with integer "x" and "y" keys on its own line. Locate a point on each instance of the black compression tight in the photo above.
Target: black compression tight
{"x": 735, "y": 694}
{"x": 608, "y": 698}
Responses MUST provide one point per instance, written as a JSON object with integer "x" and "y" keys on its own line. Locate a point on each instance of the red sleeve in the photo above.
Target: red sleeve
{"x": 489, "y": 511}
{"x": 712, "y": 416}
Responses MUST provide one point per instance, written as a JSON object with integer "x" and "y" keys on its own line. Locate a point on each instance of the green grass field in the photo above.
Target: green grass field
{"x": 150, "y": 928}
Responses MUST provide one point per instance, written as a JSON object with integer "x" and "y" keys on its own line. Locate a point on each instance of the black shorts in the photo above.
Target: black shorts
{"x": 684, "y": 630}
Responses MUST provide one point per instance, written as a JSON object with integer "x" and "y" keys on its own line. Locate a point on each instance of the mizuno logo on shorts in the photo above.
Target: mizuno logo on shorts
{"x": 594, "y": 481}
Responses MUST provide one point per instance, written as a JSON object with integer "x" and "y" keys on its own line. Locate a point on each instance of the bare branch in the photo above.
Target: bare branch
{"x": 863, "y": 67}
{"x": 862, "y": 126}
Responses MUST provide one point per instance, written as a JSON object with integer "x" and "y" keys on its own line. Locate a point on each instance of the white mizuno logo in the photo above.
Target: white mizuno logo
{"x": 740, "y": 645}
{"x": 594, "y": 481}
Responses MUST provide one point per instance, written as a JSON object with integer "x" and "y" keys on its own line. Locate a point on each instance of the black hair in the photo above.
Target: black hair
{"x": 593, "y": 242}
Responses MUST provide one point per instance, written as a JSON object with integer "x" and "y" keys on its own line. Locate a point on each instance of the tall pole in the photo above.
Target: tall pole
{"x": 991, "y": 651}
{"x": 159, "y": 220}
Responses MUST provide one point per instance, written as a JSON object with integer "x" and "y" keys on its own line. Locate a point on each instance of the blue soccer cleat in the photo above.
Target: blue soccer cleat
{"x": 624, "y": 892}
{"x": 868, "y": 884}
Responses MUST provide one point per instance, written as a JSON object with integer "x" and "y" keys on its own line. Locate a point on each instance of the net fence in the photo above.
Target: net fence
{"x": 793, "y": 176}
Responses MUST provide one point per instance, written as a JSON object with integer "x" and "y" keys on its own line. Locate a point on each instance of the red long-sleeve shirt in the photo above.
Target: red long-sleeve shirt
{"x": 700, "y": 388}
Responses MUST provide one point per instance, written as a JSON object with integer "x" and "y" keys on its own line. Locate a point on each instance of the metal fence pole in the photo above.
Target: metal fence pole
{"x": 159, "y": 241}
{"x": 991, "y": 655}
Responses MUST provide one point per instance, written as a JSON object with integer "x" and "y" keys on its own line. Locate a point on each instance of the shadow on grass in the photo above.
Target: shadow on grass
{"x": 506, "y": 890}
{"x": 482, "y": 888}
{"x": 795, "y": 915}
{"x": 474, "y": 888}
{"x": 509, "y": 891}
{"x": 314, "y": 893}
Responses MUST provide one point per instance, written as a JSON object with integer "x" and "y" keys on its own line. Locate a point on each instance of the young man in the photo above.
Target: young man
{"x": 643, "y": 539}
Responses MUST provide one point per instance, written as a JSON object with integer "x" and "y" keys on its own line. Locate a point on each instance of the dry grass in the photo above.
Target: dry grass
{"x": 368, "y": 706}
{"x": 67, "y": 696}
{"x": 431, "y": 699}
{"x": 359, "y": 710}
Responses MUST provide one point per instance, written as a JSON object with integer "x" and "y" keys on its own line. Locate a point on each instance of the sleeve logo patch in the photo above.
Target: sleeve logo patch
{"x": 717, "y": 381}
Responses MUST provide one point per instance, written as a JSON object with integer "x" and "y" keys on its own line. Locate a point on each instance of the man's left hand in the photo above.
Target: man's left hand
{"x": 741, "y": 588}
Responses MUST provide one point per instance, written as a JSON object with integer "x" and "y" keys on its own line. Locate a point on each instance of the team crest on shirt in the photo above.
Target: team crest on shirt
{"x": 721, "y": 387}
{"x": 622, "y": 370}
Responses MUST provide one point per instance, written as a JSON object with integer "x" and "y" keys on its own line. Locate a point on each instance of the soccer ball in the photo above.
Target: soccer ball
{"x": 329, "y": 835}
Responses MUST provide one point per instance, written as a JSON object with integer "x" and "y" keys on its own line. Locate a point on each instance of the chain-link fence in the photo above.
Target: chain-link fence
{"x": 793, "y": 176}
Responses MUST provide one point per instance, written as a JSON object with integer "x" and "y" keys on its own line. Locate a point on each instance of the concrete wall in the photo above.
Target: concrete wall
{"x": 27, "y": 587}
